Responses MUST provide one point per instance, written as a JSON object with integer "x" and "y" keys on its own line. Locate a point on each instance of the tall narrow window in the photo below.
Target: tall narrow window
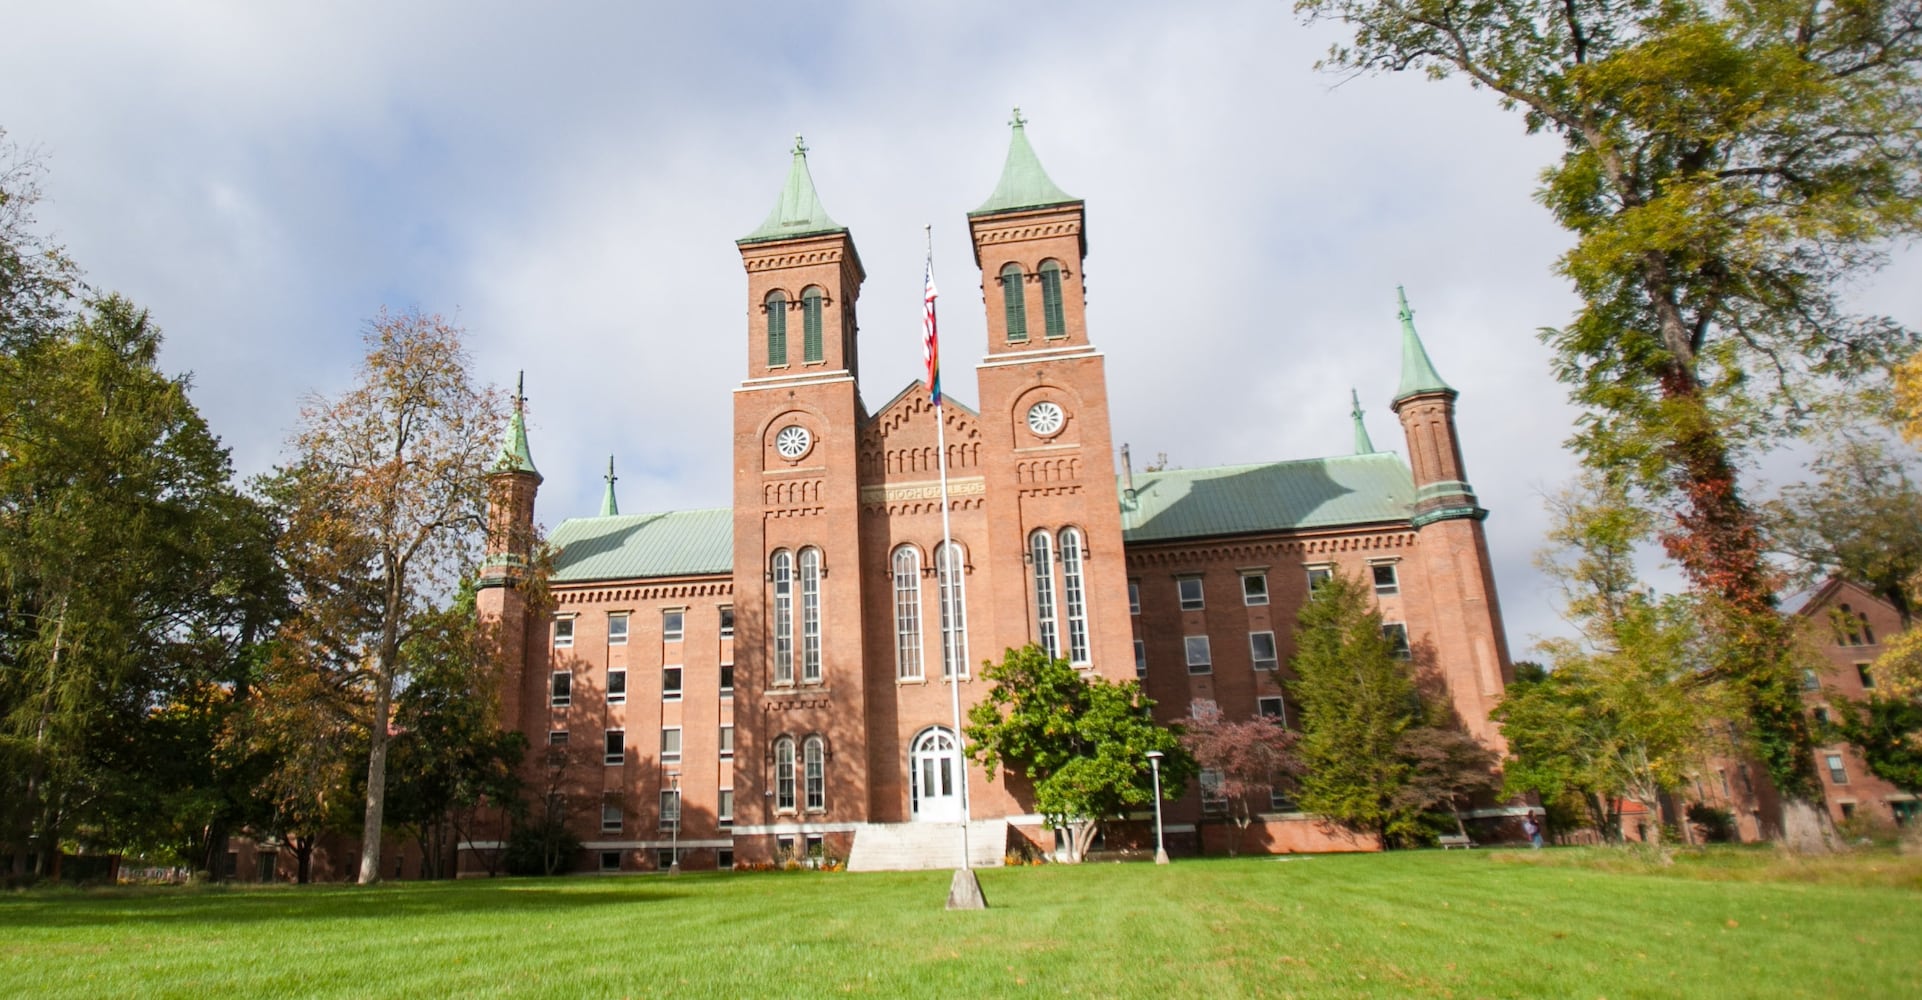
{"x": 813, "y": 763}
{"x": 1041, "y": 555}
{"x": 784, "y": 774}
{"x": 907, "y": 613}
{"x": 776, "y": 329}
{"x": 951, "y": 562}
{"x": 783, "y": 572}
{"x": 1052, "y": 319}
{"x": 810, "y": 615}
{"x": 1073, "y": 596}
{"x": 1014, "y": 301}
{"x": 811, "y": 325}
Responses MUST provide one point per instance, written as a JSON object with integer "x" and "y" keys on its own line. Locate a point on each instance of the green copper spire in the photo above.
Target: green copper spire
{"x": 1023, "y": 183}
{"x": 1417, "y": 372}
{"x": 799, "y": 212}
{"x": 1363, "y": 446}
{"x": 514, "y": 456}
{"x": 609, "y": 507}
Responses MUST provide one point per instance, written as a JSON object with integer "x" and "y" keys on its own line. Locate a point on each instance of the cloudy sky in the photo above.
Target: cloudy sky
{"x": 566, "y": 181}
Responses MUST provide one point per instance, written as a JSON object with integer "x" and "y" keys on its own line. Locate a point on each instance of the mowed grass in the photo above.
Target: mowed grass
{"x": 1428, "y": 924}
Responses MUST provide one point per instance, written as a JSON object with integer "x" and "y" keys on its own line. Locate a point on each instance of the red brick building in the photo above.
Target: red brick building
{"x": 770, "y": 677}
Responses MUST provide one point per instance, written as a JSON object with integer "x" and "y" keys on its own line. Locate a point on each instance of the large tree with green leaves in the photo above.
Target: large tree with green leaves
{"x": 384, "y": 506}
{"x": 133, "y": 594}
{"x": 1727, "y": 168}
{"x": 1357, "y": 700}
{"x": 1082, "y": 740}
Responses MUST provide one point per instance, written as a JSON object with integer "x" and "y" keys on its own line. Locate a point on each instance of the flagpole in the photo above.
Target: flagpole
{"x": 950, "y": 592}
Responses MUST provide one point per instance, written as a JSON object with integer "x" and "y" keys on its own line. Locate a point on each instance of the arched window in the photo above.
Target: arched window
{"x": 1014, "y": 300}
{"x": 776, "y": 329}
{"x": 784, "y": 774}
{"x": 1052, "y": 319}
{"x": 1074, "y": 596}
{"x": 813, "y": 761}
{"x": 1868, "y": 631}
{"x": 950, "y": 562}
{"x": 810, "y": 615}
{"x": 907, "y": 613}
{"x": 782, "y": 571}
{"x": 811, "y": 324}
{"x": 1041, "y": 555}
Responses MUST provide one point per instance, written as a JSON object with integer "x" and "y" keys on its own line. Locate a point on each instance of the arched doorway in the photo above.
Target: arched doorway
{"x": 934, "y": 777}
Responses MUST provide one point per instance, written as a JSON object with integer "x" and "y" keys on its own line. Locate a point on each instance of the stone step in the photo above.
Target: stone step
{"x": 907, "y": 847}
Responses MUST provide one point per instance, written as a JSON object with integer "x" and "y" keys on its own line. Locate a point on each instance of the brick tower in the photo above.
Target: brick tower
{"x": 1470, "y": 647}
{"x": 797, "y": 582}
{"x": 1047, "y": 450}
{"x": 511, "y": 488}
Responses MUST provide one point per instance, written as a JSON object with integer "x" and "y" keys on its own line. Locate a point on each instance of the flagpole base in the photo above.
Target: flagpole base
{"x": 964, "y": 893}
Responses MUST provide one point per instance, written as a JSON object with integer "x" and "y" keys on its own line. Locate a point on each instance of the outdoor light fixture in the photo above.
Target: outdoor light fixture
{"x": 1154, "y": 763}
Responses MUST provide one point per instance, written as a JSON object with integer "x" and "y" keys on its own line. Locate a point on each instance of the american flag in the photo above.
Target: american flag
{"x": 930, "y": 343}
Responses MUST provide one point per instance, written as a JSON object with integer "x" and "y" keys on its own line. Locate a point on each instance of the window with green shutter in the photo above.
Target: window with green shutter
{"x": 1013, "y": 299}
{"x": 1054, "y": 321}
{"x": 776, "y": 329}
{"x": 811, "y": 325}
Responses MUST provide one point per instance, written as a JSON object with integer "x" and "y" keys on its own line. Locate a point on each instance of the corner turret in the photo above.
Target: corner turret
{"x": 1426, "y": 406}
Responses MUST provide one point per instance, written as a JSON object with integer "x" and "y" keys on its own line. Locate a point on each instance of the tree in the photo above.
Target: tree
{"x": 1357, "y": 700}
{"x": 1083, "y": 741}
{"x": 1726, "y": 169}
{"x": 384, "y": 506}
{"x": 305, "y": 727}
{"x": 131, "y": 595}
{"x": 1888, "y": 731}
{"x": 1631, "y": 709}
{"x": 450, "y": 756}
{"x": 38, "y": 281}
{"x": 1447, "y": 768}
{"x": 1861, "y": 518}
{"x": 1250, "y": 757}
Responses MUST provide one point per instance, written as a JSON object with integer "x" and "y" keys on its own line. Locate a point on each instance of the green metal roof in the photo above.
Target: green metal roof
{"x": 637, "y": 546}
{"x": 1417, "y": 372}
{"x": 1363, "y": 444}
{"x": 799, "y": 212}
{"x": 515, "y": 456}
{"x": 1275, "y": 496}
{"x": 1023, "y": 183}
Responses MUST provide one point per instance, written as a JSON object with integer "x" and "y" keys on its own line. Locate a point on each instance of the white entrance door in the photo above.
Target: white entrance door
{"x": 934, "y": 777}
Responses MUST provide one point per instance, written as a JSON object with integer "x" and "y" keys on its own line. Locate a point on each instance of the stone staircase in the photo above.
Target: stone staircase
{"x": 910, "y": 847}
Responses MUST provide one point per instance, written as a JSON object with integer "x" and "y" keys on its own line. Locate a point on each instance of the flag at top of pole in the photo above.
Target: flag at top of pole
{"x": 930, "y": 342}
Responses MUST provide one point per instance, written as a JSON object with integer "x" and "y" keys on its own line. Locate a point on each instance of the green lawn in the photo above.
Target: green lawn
{"x": 1466, "y": 924}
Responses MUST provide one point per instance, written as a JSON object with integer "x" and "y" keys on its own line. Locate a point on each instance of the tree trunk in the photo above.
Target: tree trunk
{"x": 1807, "y": 829}
{"x": 303, "y": 859}
{"x": 376, "y": 778}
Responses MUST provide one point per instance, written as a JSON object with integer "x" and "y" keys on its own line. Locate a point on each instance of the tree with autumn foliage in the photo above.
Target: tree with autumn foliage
{"x": 384, "y": 506}
{"x": 1727, "y": 170}
{"x": 1246, "y": 761}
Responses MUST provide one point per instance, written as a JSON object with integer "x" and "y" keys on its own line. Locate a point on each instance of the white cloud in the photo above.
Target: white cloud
{"x": 567, "y": 181}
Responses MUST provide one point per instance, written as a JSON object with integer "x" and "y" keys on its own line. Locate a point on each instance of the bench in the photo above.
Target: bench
{"x": 1453, "y": 840}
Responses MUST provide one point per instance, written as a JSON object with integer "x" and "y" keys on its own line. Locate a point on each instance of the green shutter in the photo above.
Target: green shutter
{"x": 811, "y": 325}
{"x": 1057, "y": 324}
{"x": 776, "y": 330}
{"x": 1015, "y": 302}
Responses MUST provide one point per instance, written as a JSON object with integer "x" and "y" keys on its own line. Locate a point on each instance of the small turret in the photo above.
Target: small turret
{"x": 512, "y": 485}
{"x": 1426, "y": 406}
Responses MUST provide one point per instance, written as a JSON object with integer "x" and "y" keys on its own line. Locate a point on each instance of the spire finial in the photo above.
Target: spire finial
{"x": 520, "y": 391}
{"x": 609, "y": 507}
{"x": 1363, "y": 444}
{"x": 1018, "y": 121}
{"x": 800, "y": 146}
{"x": 1418, "y": 374}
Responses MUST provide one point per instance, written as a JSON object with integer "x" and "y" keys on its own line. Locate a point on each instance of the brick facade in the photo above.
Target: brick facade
{"x": 834, "y": 530}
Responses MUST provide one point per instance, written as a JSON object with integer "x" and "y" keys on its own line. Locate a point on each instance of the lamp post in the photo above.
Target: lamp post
{"x": 1154, "y": 763}
{"x": 674, "y": 868}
